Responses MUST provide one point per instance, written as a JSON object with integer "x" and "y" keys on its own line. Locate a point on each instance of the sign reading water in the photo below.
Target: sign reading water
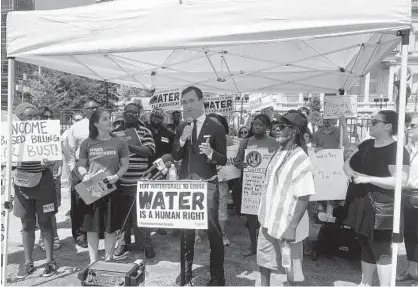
{"x": 32, "y": 140}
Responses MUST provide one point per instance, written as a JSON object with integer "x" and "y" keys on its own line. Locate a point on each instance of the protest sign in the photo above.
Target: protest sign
{"x": 32, "y": 140}
{"x": 166, "y": 99}
{"x": 253, "y": 181}
{"x": 94, "y": 188}
{"x": 337, "y": 106}
{"x": 229, "y": 171}
{"x": 172, "y": 204}
{"x": 330, "y": 180}
{"x": 219, "y": 105}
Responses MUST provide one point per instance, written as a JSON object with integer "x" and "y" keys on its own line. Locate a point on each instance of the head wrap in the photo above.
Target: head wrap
{"x": 263, "y": 118}
{"x": 20, "y": 108}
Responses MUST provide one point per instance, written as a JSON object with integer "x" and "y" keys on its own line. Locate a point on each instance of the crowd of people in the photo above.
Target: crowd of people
{"x": 90, "y": 146}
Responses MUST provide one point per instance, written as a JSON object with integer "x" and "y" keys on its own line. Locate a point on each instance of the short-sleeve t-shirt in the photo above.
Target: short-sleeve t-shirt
{"x": 327, "y": 140}
{"x": 104, "y": 155}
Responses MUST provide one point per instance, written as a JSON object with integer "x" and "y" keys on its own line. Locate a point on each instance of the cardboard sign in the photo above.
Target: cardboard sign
{"x": 316, "y": 118}
{"x": 337, "y": 106}
{"x": 253, "y": 181}
{"x": 32, "y": 140}
{"x": 219, "y": 105}
{"x": 330, "y": 180}
{"x": 166, "y": 99}
{"x": 229, "y": 171}
{"x": 94, "y": 188}
{"x": 172, "y": 204}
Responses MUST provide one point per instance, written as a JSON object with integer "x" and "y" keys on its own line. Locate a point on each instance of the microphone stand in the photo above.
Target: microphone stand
{"x": 182, "y": 233}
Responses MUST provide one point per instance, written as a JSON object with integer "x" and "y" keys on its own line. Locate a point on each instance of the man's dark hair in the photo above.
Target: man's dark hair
{"x": 198, "y": 91}
{"x": 43, "y": 110}
{"x": 175, "y": 112}
{"x": 135, "y": 105}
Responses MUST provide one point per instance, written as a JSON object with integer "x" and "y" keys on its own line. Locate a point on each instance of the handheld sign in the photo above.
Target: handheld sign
{"x": 94, "y": 188}
{"x": 337, "y": 106}
{"x": 32, "y": 140}
{"x": 330, "y": 180}
{"x": 172, "y": 204}
{"x": 166, "y": 99}
{"x": 219, "y": 105}
{"x": 253, "y": 181}
{"x": 229, "y": 171}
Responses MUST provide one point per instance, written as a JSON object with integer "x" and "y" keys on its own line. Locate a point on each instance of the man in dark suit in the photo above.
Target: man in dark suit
{"x": 201, "y": 145}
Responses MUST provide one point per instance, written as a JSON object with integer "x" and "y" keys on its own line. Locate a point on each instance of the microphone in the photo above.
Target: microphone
{"x": 189, "y": 123}
{"x": 158, "y": 164}
{"x": 162, "y": 172}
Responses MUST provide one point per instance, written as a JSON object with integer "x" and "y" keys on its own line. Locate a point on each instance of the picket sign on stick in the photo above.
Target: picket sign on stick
{"x": 337, "y": 106}
{"x": 32, "y": 140}
{"x": 219, "y": 105}
{"x": 172, "y": 204}
{"x": 166, "y": 99}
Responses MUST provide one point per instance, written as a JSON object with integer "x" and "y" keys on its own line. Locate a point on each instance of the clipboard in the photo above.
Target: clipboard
{"x": 95, "y": 188}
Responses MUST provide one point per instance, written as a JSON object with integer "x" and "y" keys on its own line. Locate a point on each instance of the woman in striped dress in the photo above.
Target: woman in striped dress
{"x": 283, "y": 208}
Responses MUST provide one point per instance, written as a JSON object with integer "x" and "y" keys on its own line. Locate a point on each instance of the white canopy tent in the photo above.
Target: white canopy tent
{"x": 232, "y": 46}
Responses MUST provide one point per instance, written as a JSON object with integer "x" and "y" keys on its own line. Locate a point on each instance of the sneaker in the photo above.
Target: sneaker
{"x": 226, "y": 240}
{"x": 325, "y": 217}
{"x": 149, "y": 251}
{"x": 50, "y": 269}
{"x": 25, "y": 270}
{"x": 121, "y": 250}
{"x": 82, "y": 242}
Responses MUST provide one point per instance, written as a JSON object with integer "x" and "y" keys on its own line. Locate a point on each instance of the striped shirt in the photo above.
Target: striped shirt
{"x": 289, "y": 176}
{"x": 138, "y": 164}
{"x": 31, "y": 166}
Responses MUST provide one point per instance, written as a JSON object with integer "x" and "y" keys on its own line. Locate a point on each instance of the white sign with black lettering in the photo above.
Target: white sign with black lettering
{"x": 172, "y": 204}
{"x": 166, "y": 99}
{"x": 32, "y": 140}
{"x": 219, "y": 105}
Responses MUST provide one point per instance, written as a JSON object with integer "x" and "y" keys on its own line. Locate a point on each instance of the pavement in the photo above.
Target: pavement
{"x": 164, "y": 269}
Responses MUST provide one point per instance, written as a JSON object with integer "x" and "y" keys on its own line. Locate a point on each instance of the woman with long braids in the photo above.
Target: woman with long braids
{"x": 283, "y": 208}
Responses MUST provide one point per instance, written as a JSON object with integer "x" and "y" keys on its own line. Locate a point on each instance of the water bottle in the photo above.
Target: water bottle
{"x": 172, "y": 172}
{"x": 286, "y": 256}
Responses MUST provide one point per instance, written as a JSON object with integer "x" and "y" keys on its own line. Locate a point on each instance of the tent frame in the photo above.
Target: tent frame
{"x": 397, "y": 238}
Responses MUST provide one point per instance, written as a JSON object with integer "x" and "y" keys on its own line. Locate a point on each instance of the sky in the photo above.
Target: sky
{"x": 59, "y": 4}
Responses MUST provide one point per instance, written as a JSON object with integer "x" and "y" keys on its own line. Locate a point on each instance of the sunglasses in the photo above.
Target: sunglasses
{"x": 46, "y": 117}
{"x": 243, "y": 133}
{"x": 132, "y": 113}
{"x": 375, "y": 122}
{"x": 92, "y": 108}
{"x": 283, "y": 126}
{"x": 413, "y": 126}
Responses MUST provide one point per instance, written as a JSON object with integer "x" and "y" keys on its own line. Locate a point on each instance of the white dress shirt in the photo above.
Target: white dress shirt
{"x": 199, "y": 124}
{"x": 413, "y": 171}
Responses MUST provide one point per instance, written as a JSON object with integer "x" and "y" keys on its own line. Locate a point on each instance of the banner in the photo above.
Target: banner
{"x": 172, "y": 204}
{"x": 229, "y": 171}
{"x": 32, "y": 140}
{"x": 330, "y": 180}
{"x": 337, "y": 106}
{"x": 166, "y": 99}
{"x": 219, "y": 105}
{"x": 254, "y": 175}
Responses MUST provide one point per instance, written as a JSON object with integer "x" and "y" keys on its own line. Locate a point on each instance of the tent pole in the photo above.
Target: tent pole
{"x": 396, "y": 236}
{"x": 7, "y": 204}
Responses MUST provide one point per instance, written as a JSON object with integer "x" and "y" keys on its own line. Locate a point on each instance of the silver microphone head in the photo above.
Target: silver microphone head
{"x": 189, "y": 120}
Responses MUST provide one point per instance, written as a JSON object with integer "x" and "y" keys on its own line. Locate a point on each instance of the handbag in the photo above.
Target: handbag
{"x": 382, "y": 212}
{"x": 27, "y": 179}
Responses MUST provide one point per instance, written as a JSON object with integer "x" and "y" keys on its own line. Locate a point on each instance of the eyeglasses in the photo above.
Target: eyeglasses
{"x": 283, "y": 126}
{"x": 132, "y": 113}
{"x": 375, "y": 122}
{"x": 46, "y": 117}
{"x": 243, "y": 133}
{"x": 413, "y": 126}
{"x": 92, "y": 108}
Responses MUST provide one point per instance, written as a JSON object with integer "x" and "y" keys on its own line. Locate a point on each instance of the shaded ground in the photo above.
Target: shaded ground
{"x": 163, "y": 270}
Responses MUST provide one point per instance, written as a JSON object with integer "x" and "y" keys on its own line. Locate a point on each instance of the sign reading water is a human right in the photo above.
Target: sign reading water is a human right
{"x": 32, "y": 140}
{"x": 172, "y": 204}
{"x": 219, "y": 105}
{"x": 166, "y": 99}
{"x": 338, "y": 106}
{"x": 253, "y": 179}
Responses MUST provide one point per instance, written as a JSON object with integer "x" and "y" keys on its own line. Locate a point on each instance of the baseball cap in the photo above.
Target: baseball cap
{"x": 295, "y": 118}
